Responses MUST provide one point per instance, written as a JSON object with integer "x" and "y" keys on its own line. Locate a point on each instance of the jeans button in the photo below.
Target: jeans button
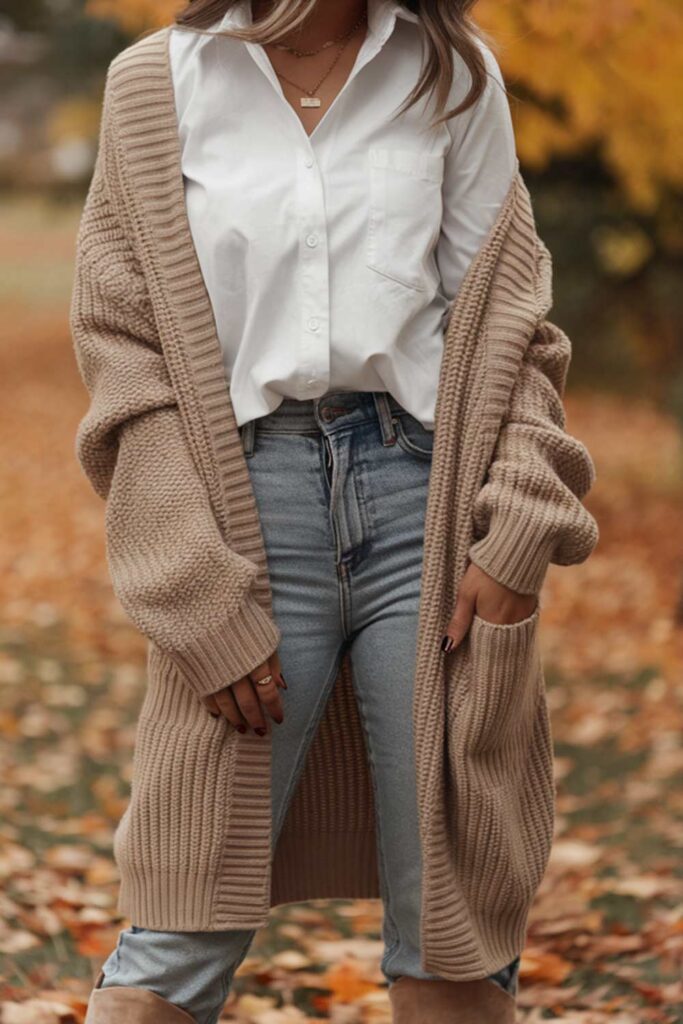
{"x": 328, "y": 414}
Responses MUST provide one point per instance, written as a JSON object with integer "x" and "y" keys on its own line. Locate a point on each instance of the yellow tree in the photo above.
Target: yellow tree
{"x": 603, "y": 75}
{"x": 606, "y": 74}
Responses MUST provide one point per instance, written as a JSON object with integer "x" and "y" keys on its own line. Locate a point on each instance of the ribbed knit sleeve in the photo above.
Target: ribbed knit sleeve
{"x": 170, "y": 565}
{"x": 529, "y": 511}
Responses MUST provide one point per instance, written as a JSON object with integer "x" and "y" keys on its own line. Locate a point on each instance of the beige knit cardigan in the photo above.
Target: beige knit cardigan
{"x": 185, "y": 551}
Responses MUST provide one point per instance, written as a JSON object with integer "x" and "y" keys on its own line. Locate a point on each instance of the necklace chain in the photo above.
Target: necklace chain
{"x": 331, "y": 42}
{"x": 312, "y": 92}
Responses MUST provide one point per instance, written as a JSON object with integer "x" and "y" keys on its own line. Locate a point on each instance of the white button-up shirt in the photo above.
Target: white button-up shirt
{"x": 331, "y": 260}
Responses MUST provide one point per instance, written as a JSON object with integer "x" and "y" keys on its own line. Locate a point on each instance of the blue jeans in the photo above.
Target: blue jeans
{"x": 341, "y": 487}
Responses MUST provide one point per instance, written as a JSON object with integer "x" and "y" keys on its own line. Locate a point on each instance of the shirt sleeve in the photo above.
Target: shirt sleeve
{"x": 480, "y": 164}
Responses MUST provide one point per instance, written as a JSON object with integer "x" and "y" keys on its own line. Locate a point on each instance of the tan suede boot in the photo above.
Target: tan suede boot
{"x": 120, "y": 1005}
{"x": 422, "y": 1001}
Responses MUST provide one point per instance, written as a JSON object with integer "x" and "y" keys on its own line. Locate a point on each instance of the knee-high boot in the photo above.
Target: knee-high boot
{"x": 121, "y": 1005}
{"x": 438, "y": 1001}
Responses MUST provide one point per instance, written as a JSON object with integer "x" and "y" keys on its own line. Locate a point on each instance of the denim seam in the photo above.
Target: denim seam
{"x": 380, "y": 846}
{"x": 312, "y": 726}
{"x": 342, "y": 569}
{"x": 364, "y": 517}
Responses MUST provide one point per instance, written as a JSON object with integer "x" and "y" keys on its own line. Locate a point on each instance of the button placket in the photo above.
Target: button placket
{"x": 314, "y": 272}
{"x": 313, "y": 259}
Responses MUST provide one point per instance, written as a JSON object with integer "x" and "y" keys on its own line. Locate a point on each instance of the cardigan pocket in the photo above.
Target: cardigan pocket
{"x": 506, "y": 683}
{"x": 405, "y": 208}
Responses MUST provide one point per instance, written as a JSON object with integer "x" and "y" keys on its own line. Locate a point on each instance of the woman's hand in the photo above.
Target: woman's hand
{"x": 491, "y": 601}
{"x": 243, "y": 702}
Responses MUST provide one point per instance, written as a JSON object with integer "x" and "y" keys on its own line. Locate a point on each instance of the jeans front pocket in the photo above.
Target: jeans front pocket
{"x": 412, "y": 436}
{"x": 405, "y": 209}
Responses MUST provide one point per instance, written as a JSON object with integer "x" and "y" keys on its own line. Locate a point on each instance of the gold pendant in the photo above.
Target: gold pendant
{"x": 310, "y": 101}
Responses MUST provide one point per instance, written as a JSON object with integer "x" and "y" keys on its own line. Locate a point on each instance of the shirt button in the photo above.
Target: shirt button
{"x": 313, "y": 323}
{"x": 312, "y": 240}
{"x": 308, "y": 161}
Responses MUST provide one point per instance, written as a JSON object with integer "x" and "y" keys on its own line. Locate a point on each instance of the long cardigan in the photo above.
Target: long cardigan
{"x": 159, "y": 443}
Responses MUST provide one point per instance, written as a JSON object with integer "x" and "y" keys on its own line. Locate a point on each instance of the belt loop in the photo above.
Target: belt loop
{"x": 385, "y": 417}
{"x": 247, "y": 431}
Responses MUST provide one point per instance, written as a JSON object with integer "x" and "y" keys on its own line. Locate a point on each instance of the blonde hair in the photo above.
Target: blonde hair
{"x": 447, "y": 27}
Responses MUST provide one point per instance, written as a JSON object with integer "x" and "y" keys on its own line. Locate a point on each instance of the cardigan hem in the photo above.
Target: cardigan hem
{"x": 492, "y": 966}
{"x": 156, "y": 900}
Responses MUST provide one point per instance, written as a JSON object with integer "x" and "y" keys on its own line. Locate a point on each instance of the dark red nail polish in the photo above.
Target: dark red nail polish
{"x": 283, "y": 681}
{"x": 214, "y": 714}
{"x": 444, "y": 643}
{"x": 260, "y": 731}
{"x": 241, "y": 728}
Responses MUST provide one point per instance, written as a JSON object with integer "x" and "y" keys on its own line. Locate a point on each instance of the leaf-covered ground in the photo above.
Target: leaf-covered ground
{"x": 605, "y": 941}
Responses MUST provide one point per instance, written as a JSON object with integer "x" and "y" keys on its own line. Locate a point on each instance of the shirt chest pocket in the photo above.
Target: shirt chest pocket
{"x": 405, "y": 206}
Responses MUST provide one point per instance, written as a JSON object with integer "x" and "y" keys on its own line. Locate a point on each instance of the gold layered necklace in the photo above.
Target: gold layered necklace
{"x": 310, "y": 99}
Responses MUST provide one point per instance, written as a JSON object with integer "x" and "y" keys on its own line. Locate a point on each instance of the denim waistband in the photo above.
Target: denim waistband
{"x": 335, "y": 410}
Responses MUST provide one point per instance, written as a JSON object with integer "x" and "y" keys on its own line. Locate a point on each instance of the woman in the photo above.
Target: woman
{"x": 326, "y": 419}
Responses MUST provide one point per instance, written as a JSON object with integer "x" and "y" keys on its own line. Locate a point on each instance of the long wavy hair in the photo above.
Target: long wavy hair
{"x": 447, "y": 27}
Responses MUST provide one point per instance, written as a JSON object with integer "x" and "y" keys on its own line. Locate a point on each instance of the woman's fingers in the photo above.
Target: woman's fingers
{"x": 229, "y": 708}
{"x": 249, "y": 705}
{"x": 268, "y": 691}
{"x": 223, "y": 703}
{"x": 276, "y": 670}
{"x": 459, "y": 622}
{"x": 211, "y": 705}
{"x": 492, "y": 601}
{"x": 244, "y": 701}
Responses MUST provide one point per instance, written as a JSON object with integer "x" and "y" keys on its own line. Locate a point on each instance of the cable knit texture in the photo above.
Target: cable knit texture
{"x": 186, "y": 556}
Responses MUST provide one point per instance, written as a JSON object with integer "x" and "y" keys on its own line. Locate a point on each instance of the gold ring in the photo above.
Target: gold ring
{"x": 264, "y": 681}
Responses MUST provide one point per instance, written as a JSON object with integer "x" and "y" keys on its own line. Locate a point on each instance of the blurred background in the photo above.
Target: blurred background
{"x": 596, "y": 96}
